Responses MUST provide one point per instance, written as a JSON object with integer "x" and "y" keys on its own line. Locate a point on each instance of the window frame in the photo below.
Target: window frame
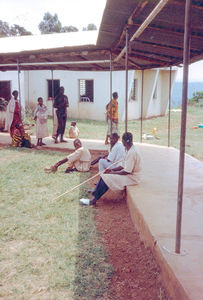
{"x": 85, "y": 99}
{"x": 134, "y": 90}
{"x": 49, "y": 96}
{"x": 9, "y": 93}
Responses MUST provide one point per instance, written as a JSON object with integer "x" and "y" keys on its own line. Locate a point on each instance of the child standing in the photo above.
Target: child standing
{"x": 40, "y": 116}
{"x": 73, "y": 131}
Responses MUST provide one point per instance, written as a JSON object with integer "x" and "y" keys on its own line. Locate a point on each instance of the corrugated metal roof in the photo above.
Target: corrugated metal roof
{"x": 47, "y": 41}
{"x": 159, "y": 45}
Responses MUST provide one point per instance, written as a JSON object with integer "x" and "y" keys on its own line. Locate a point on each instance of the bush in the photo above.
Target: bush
{"x": 196, "y": 97}
{"x": 3, "y": 104}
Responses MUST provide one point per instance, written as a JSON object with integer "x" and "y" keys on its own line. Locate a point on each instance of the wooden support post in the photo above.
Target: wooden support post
{"x": 186, "y": 58}
{"x": 169, "y": 109}
{"x": 111, "y": 89}
{"x": 52, "y": 92}
{"x": 141, "y": 110}
{"x": 19, "y": 90}
{"x": 126, "y": 83}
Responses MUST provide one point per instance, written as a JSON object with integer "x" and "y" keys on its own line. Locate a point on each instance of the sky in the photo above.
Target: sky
{"x": 195, "y": 72}
{"x": 78, "y": 13}
{"x": 29, "y": 13}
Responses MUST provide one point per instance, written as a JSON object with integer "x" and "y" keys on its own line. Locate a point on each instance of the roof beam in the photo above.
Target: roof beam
{"x": 173, "y": 32}
{"x": 137, "y": 11}
{"x": 144, "y": 25}
{"x": 58, "y": 63}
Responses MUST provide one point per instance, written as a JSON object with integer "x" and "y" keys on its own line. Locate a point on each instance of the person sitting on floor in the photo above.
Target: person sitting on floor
{"x": 73, "y": 131}
{"x": 120, "y": 177}
{"x": 116, "y": 154}
{"x": 79, "y": 160}
{"x": 20, "y": 138}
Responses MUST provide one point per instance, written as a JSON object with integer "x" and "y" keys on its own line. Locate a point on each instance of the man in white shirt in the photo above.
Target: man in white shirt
{"x": 117, "y": 153}
{"x": 79, "y": 160}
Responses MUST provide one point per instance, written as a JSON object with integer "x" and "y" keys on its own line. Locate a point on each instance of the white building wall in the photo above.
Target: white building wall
{"x": 12, "y": 76}
{"x": 165, "y": 74}
{"x": 158, "y": 105}
{"x": 36, "y": 86}
{"x": 134, "y": 106}
{"x": 152, "y": 86}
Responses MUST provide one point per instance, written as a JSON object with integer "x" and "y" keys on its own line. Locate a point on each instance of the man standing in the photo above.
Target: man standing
{"x": 112, "y": 117}
{"x": 61, "y": 104}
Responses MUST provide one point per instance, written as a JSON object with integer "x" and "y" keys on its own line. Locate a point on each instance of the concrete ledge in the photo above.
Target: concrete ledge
{"x": 95, "y": 146}
{"x": 152, "y": 206}
{"x": 172, "y": 284}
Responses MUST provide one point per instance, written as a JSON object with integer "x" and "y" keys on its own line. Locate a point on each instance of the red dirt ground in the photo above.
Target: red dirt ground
{"x": 136, "y": 274}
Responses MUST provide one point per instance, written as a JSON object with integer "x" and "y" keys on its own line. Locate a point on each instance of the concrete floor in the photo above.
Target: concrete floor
{"x": 153, "y": 206}
{"x": 93, "y": 145}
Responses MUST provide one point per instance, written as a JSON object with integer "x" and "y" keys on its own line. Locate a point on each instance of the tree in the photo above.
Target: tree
{"x": 196, "y": 96}
{"x": 69, "y": 29}
{"x": 4, "y": 29}
{"x": 14, "y": 30}
{"x": 50, "y": 24}
{"x": 18, "y": 30}
{"x": 90, "y": 26}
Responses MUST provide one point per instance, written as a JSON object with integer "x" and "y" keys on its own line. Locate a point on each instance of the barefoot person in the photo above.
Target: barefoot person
{"x": 61, "y": 104}
{"x": 120, "y": 177}
{"x": 79, "y": 160}
{"x": 40, "y": 116}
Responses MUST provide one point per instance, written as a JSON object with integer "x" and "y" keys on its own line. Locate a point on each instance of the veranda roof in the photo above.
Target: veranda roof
{"x": 156, "y": 40}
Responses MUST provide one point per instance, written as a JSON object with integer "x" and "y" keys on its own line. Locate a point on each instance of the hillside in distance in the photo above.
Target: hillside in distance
{"x": 176, "y": 97}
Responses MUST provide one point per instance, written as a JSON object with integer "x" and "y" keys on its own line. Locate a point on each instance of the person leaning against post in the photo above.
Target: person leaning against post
{"x": 112, "y": 117}
{"x": 120, "y": 177}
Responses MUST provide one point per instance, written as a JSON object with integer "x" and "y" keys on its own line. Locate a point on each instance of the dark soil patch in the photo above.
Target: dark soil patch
{"x": 136, "y": 273}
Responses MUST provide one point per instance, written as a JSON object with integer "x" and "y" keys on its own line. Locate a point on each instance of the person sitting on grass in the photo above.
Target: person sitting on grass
{"x": 120, "y": 177}
{"x": 73, "y": 131}
{"x": 79, "y": 160}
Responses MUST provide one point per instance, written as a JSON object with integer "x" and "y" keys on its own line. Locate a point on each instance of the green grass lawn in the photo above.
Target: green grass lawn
{"x": 49, "y": 249}
{"x": 194, "y": 137}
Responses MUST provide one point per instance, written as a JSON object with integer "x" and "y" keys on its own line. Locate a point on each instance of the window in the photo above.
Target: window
{"x": 133, "y": 95}
{"x": 56, "y": 87}
{"x": 5, "y": 90}
{"x": 86, "y": 90}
